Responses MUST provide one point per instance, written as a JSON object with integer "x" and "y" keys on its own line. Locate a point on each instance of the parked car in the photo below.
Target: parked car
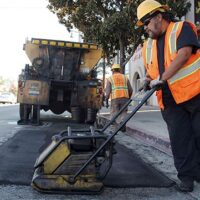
{"x": 7, "y": 97}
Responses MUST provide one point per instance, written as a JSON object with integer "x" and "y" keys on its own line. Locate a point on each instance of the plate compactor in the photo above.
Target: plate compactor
{"x": 77, "y": 161}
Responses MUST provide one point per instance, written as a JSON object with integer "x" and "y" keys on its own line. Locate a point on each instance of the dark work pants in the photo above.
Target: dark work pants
{"x": 116, "y": 105}
{"x": 183, "y": 122}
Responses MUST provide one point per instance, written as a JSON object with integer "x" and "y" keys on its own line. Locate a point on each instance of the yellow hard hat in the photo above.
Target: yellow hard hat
{"x": 147, "y": 8}
{"x": 115, "y": 66}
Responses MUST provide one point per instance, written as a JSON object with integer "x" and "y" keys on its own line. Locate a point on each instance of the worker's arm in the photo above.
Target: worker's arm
{"x": 182, "y": 57}
{"x": 187, "y": 43}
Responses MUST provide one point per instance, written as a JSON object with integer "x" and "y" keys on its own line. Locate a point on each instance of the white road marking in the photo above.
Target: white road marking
{"x": 13, "y": 123}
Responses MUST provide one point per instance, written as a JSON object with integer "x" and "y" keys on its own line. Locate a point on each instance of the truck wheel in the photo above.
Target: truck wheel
{"x": 21, "y": 111}
{"x": 78, "y": 114}
{"x": 36, "y": 115}
{"x": 91, "y": 116}
{"x": 24, "y": 109}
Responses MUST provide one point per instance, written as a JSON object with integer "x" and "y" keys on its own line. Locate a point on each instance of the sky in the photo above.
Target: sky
{"x": 22, "y": 19}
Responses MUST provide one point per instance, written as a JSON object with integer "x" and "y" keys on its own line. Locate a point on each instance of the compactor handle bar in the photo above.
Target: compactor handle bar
{"x": 127, "y": 118}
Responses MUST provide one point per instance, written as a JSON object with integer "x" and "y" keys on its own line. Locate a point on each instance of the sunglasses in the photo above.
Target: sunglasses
{"x": 146, "y": 22}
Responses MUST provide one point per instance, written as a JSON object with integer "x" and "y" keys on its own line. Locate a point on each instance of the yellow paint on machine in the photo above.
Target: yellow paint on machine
{"x": 55, "y": 158}
{"x": 64, "y": 44}
{"x": 34, "y": 92}
{"x": 44, "y": 42}
{"x": 77, "y": 45}
{"x": 83, "y": 183}
{"x": 91, "y": 58}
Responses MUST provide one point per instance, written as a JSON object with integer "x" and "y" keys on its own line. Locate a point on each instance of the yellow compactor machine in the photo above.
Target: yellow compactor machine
{"x": 75, "y": 162}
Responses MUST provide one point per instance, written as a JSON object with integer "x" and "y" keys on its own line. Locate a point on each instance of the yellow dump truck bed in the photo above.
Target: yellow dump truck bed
{"x": 90, "y": 58}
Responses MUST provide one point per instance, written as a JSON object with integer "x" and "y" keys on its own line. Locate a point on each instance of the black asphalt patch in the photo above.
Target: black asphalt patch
{"x": 19, "y": 153}
{"x": 128, "y": 170}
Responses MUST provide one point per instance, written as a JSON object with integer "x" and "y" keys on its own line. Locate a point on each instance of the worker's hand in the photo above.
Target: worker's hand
{"x": 146, "y": 85}
{"x": 157, "y": 83}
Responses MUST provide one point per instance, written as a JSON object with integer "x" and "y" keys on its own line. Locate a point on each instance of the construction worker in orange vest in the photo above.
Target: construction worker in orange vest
{"x": 119, "y": 89}
{"x": 172, "y": 61}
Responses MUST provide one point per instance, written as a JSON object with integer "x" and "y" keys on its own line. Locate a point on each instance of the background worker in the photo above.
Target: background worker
{"x": 172, "y": 60}
{"x": 119, "y": 89}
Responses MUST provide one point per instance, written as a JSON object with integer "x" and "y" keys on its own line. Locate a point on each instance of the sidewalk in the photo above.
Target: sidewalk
{"x": 146, "y": 125}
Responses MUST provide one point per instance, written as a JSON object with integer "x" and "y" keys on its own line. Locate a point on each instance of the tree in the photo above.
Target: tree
{"x": 110, "y": 23}
{"x": 178, "y": 7}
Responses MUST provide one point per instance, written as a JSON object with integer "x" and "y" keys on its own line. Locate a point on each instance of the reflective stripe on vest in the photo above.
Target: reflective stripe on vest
{"x": 149, "y": 51}
{"x": 119, "y": 91}
{"x": 172, "y": 39}
{"x": 186, "y": 71}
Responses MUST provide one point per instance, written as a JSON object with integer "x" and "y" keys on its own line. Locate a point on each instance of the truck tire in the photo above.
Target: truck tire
{"x": 78, "y": 114}
{"x": 36, "y": 115}
{"x": 91, "y": 116}
{"x": 22, "y": 110}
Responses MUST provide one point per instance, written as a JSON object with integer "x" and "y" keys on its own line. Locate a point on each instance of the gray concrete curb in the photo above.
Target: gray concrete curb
{"x": 145, "y": 136}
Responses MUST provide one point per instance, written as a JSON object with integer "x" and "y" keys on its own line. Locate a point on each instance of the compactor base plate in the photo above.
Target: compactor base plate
{"x": 59, "y": 184}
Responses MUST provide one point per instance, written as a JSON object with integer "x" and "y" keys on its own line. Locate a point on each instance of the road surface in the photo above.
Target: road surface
{"x": 9, "y": 127}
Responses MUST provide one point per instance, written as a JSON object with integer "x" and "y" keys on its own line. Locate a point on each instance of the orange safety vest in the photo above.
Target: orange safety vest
{"x": 119, "y": 86}
{"x": 185, "y": 84}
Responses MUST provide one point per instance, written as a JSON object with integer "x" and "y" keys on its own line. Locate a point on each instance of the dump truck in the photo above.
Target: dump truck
{"x": 62, "y": 77}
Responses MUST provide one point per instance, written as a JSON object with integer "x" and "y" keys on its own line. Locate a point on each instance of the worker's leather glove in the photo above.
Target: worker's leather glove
{"x": 157, "y": 83}
{"x": 146, "y": 85}
{"x": 107, "y": 104}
